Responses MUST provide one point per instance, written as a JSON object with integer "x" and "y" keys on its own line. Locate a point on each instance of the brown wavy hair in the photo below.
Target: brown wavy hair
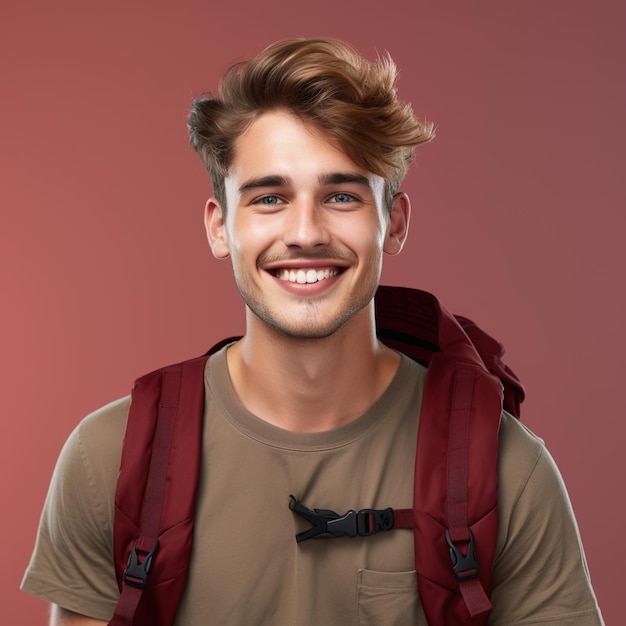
{"x": 324, "y": 82}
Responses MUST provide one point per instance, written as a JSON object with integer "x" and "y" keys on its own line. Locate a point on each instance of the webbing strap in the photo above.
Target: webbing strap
{"x": 126, "y": 606}
{"x": 458, "y": 442}
{"x": 476, "y": 600}
{"x": 155, "y": 485}
{"x": 464, "y": 380}
{"x": 403, "y": 518}
{"x": 153, "y": 499}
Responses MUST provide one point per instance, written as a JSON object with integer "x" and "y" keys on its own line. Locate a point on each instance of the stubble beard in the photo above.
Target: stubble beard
{"x": 311, "y": 322}
{"x": 308, "y": 326}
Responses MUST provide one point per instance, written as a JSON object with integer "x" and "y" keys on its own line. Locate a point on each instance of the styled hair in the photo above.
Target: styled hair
{"x": 325, "y": 82}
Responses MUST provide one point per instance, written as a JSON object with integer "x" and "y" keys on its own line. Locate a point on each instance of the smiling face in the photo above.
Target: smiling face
{"x": 305, "y": 228}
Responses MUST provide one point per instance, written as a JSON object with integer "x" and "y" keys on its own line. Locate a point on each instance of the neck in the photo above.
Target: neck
{"x": 311, "y": 385}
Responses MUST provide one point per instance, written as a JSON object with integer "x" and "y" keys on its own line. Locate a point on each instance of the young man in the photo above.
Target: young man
{"x": 306, "y": 147}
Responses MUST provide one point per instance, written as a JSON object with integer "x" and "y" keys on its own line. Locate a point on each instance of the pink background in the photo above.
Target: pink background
{"x": 518, "y": 216}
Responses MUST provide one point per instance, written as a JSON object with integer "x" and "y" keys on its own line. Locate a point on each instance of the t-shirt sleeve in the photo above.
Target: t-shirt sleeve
{"x": 540, "y": 575}
{"x": 72, "y": 563}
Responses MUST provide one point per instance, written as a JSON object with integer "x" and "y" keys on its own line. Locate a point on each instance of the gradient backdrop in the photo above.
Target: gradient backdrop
{"x": 518, "y": 216}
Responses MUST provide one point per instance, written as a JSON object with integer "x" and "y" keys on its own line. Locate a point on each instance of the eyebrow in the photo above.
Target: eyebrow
{"x": 264, "y": 181}
{"x": 335, "y": 178}
{"x": 344, "y": 177}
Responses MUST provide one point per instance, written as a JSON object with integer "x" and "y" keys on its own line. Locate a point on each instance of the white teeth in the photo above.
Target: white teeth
{"x": 303, "y": 276}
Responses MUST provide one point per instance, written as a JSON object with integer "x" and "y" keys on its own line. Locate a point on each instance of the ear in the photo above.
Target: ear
{"x": 215, "y": 226}
{"x": 398, "y": 224}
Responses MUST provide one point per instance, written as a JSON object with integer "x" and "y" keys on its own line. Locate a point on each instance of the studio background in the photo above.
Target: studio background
{"x": 518, "y": 216}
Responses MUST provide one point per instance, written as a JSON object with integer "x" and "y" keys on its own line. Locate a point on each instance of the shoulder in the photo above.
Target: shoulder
{"x": 89, "y": 461}
{"x": 520, "y": 450}
{"x": 528, "y": 478}
{"x": 105, "y": 424}
{"x": 526, "y": 469}
{"x": 99, "y": 436}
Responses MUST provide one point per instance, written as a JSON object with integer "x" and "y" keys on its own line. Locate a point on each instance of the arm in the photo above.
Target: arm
{"x": 72, "y": 564}
{"x": 540, "y": 575}
{"x": 63, "y": 617}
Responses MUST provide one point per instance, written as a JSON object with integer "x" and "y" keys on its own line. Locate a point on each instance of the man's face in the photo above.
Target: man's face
{"x": 305, "y": 228}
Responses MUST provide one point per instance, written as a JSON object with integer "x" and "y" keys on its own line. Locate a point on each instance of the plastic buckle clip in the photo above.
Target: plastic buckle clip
{"x": 371, "y": 521}
{"x": 465, "y": 566}
{"x": 328, "y": 524}
{"x": 136, "y": 573}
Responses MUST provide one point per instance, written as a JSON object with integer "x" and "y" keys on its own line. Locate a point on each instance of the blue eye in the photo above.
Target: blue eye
{"x": 342, "y": 197}
{"x": 269, "y": 200}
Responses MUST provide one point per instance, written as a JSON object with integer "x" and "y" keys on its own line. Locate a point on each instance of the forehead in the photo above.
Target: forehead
{"x": 282, "y": 142}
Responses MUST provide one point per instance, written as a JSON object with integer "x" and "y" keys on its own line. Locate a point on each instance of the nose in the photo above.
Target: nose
{"x": 305, "y": 225}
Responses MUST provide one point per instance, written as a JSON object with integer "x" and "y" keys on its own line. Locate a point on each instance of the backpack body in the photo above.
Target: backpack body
{"x": 454, "y": 515}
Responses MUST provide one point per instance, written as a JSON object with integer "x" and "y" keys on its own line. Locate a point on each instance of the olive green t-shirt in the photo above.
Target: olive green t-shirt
{"x": 246, "y": 567}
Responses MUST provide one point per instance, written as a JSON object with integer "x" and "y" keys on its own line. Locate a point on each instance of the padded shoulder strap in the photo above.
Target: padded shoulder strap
{"x": 454, "y": 510}
{"x": 457, "y": 452}
{"x": 156, "y": 493}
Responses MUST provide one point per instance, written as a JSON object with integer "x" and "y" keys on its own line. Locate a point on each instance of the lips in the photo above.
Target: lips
{"x": 305, "y": 275}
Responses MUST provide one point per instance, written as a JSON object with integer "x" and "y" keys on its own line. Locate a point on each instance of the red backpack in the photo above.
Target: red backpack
{"x": 454, "y": 536}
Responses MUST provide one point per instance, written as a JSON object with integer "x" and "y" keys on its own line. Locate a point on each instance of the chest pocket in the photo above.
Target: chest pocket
{"x": 388, "y": 598}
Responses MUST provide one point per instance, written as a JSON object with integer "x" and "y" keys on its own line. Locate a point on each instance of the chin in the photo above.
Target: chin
{"x": 307, "y": 329}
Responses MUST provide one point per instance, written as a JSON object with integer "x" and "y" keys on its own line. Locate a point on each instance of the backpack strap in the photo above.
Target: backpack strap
{"x": 456, "y": 455}
{"x": 161, "y": 459}
{"x": 454, "y": 517}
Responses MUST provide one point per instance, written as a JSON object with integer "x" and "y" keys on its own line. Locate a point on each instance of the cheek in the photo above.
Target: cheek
{"x": 248, "y": 239}
{"x": 368, "y": 236}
